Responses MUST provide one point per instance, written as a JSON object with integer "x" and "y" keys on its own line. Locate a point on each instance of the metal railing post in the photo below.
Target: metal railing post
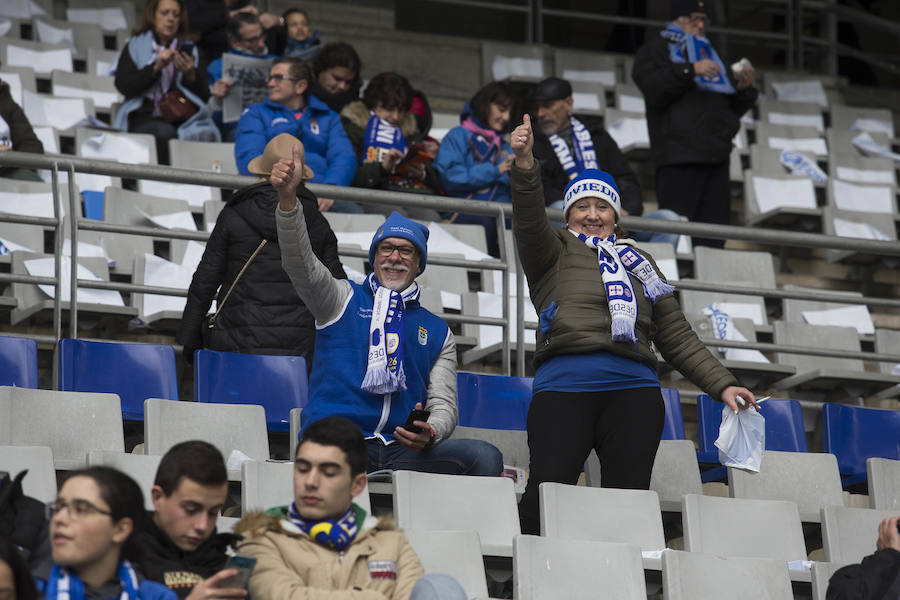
{"x": 57, "y": 252}
{"x": 73, "y": 255}
{"x": 504, "y": 256}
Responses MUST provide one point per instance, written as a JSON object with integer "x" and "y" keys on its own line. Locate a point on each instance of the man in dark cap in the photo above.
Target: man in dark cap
{"x": 694, "y": 105}
{"x": 566, "y": 146}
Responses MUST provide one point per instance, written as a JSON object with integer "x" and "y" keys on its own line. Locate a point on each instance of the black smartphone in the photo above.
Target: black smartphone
{"x": 244, "y": 565}
{"x": 187, "y": 47}
{"x": 416, "y": 415}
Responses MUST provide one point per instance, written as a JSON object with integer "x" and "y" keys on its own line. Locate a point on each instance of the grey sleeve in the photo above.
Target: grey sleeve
{"x": 442, "y": 391}
{"x": 324, "y": 295}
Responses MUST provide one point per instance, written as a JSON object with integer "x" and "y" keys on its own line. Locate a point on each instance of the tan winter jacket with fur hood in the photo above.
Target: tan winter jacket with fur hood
{"x": 379, "y": 564}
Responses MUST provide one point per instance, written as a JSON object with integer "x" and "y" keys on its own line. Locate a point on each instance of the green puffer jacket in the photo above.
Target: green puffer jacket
{"x": 561, "y": 269}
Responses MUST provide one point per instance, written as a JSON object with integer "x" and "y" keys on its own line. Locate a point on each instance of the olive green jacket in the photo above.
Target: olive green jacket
{"x": 561, "y": 269}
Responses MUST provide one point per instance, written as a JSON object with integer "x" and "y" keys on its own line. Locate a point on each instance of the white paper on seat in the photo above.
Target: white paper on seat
{"x": 31, "y": 204}
{"x": 110, "y": 19}
{"x": 585, "y": 101}
{"x": 163, "y": 273}
{"x": 440, "y": 241}
{"x": 866, "y": 175}
{"x": 48, "y": 34}
{"x": 783, "y": 193}
{"x": 59, "y": 113}
{"x": 451, "y": 301}
{"x": 863, "y": 198}
{"x": 800, "y": 565}
{"x": 491, "y": 305}
{"x": 102, "y": 99}
{"x": 7, "y": 246}
{"x": 117, "y": 147}
{"x": 47, "y": 136}
{"x": 42, "y": 61}
{"x": 504, "y": 67}
{"x": 195, "y": 195}
{"x": 816, "y": 121}
{"x": 633, "y": 104}
{"x": 87, "y": 250}
{"x": 814, "y": 145}
{"x": 846, "y": 316}
{"x": 20, "y": 9}
{"x": 177, "y": 220}
{"x": 873, "y": 126}
{"x": 810, "y": 90}
{"x": 15, "y": 85}
{"x": 104, "y": 68}
{"x": 605, "y": 78}
{"x": 845, "y": 228}
{"x": 868, "y": 146}
{"x": 743, "y": 310}
{"x": 44, "y": 267}
{"x": 629, "y": 132}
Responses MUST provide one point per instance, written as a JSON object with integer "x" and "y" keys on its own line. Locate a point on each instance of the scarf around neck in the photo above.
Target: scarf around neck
{"x": 65, "y": 585}
{"x": 585, "y": 156}
{"x": 684, "y": 47}
{"x": 614, "y": 260}
{"x": 384, "y": 369}
{"x": 380, "y": 138}
{"x": 166, "y": 74}
{"x": 335, "y": 534}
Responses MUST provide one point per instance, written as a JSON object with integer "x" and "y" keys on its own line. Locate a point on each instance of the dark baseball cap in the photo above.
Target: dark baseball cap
{"x": 684, "y": 8}
{"x": 552, "y": 88}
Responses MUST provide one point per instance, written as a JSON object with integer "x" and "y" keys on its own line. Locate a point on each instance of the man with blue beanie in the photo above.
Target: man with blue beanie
{"x": 379, "y": 353}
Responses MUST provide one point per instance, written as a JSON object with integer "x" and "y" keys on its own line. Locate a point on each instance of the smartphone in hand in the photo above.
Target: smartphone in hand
{"x": 187, "y": 47}
{"x": 244, "y": 565}
{"x": 416, "y": 415}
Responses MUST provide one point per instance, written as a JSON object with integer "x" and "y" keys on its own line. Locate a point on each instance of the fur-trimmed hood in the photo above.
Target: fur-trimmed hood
{"x": 358, "y": 114}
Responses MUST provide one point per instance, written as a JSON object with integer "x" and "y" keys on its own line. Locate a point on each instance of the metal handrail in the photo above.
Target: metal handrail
{"x": 776, "y": 237}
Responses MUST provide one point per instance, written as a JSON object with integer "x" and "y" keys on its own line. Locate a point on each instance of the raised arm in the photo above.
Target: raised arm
{"x": 324, "y": 295}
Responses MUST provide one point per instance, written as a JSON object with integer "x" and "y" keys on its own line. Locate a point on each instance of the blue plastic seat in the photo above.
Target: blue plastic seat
{"x": 854, "y": 434}
{"x": 784, "y": 430}
{"x": 493, "y": 401}
{"x": 133, "y": 371}
{"x": 18, "y": 362}
{"x": 277, "y": 383}
{"x": 673, "y": 428}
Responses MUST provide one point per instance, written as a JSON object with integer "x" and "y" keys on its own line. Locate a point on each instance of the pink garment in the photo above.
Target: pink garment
{"x": 490, "y": 135}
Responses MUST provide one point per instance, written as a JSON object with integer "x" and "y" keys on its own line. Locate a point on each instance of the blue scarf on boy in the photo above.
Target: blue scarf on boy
{"x": 335, "y": 534}
{"x": 380, "y": 138}
{"x": 684, "y": 47}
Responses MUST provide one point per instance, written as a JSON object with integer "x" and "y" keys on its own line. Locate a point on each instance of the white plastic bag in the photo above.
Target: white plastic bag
{"x": 742, "y": 438}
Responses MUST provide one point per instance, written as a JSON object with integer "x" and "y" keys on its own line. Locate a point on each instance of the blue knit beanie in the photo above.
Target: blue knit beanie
{"x": 400, "y": 227}
{"x": 592, "y": 183}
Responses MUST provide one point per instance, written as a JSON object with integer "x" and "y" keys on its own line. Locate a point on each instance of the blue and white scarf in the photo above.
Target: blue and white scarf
{"x": 166, "y": 74}
{"x": 615, "y": 260}
{"x": 335, "y": 534}
{"x": 585, "y": 156}
{"x": 380, "y": 138}
{"x": 64, "y": 585}
{"x": 384, "y": 370}
{"x": 696, "y": 49}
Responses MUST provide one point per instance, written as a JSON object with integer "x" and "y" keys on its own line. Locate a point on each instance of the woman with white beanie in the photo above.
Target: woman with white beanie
{"x": 601, "y": 303}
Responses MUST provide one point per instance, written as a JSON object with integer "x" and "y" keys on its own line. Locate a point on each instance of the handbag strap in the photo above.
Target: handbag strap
{"x": 238, "y": 278}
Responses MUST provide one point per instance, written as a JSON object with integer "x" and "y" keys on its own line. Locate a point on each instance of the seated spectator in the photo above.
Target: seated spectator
{"x": 290, "y": 109}
{"x": 245, "y": 38}
{"x": 263, "y": 314}
{"x": 16, "y": 582}
{"x": 301, "y": 41}
{"x": 336, "y": 72}
{"x": 390, "y": 147}
{"x": 92, "y": 522}
{"x": 16, "y": 134}
{"x": 379, "y": 354}
{"x": 22, "y": 523}
{"x": 324, "y": 545}
{"x": 473, "y": 161}
{"x": 567, "y": 145}
{"x": 152, "y": 70}
{"x": 209, "y": 21}
{"x": 877, "y": 577}
{"x": 180, "y": 547}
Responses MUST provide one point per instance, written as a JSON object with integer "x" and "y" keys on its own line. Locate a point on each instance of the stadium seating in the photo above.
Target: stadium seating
{"x": 849, "y": 534}
{"x": 71, "y": 424}
{"x": 40, "y": 482}
{"x": 454, "y": 553}
{"x": 548, "y": 569}
{"x": 134, "y": 372}
{"x": 884, "y": 483}
{"x": 18, "y": 362}
{"x": 675, "y": 473}
{"x": 865, "y": 225}
{"x": 854, "y": 434}
{"x": 821, "y": 573}
{"x": 689, "y": 575}
{"x": 43, "y": 58}
{"x": 140, "y": 467}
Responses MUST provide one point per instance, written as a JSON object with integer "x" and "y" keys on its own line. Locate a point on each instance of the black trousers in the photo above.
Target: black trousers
{"x": 143, "y": 121}
{"x": 623, "y": 426}
{"x": 699, "y": 192}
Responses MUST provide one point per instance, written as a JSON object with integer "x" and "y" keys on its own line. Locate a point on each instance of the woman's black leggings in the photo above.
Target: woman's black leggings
{"x": 623, "y": 426}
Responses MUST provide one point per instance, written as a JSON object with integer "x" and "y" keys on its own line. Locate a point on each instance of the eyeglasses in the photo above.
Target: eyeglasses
{"x": 77, "y": 508}
{"x": 254, "y": 40}
{"x": 280, "y": 78}
{"x": 388, "y": 249}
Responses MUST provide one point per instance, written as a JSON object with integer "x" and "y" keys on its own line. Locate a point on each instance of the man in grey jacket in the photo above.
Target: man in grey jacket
{"x": 381, "y": 358}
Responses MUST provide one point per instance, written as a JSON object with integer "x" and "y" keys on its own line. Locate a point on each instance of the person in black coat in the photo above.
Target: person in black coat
{"x": 263, "y": 315}
{"x": 877, "y": 577}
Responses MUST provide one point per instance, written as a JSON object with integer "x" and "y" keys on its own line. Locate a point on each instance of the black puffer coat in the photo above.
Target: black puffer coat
{"x": 264, "y": 315}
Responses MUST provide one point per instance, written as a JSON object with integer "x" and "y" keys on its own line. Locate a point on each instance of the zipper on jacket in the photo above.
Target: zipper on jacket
{"x": 341, "y": 556}
{"x": 385, "y": 413}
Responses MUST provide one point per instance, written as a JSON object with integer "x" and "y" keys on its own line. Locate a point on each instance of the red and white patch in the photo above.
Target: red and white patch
{"x": 383, "y": 569}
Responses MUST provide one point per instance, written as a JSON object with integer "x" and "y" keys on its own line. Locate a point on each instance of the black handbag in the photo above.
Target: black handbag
{"x": 209, "y": 330}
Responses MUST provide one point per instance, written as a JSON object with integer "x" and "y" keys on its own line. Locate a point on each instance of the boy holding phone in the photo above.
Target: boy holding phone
{"x": 324, "y": 545}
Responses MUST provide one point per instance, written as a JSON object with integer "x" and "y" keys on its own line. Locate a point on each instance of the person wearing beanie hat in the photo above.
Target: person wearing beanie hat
{"x": 263, "y": 314}
{"x": 379, "y": 353}
{"x": 694, "y": 105}
{"x": 601, "y": 304}
{"x": 567, "y": 145}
